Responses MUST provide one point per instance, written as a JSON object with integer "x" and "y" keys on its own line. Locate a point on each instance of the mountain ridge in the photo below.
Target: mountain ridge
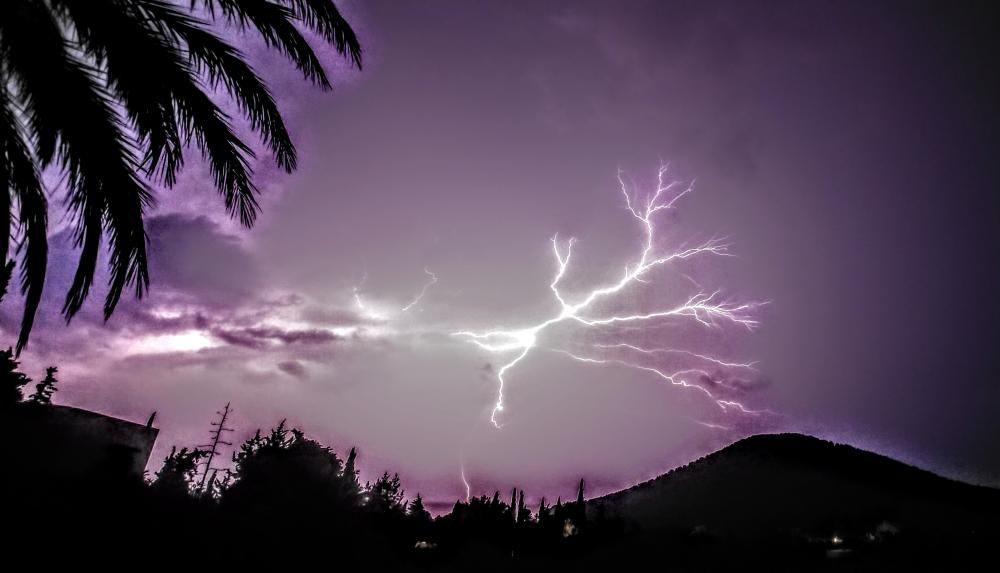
{"x": 768, "y": 485}
{"x": 755, "y": 439}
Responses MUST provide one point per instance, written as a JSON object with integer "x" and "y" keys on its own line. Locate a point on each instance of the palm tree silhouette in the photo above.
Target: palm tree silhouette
{"x": 112, "y": 91}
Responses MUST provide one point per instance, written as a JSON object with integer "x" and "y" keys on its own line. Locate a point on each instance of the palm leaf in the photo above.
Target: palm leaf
{"x": 112, "y": 92}
{"x": 72, "y": 118}
{"x": 19, "y": 174}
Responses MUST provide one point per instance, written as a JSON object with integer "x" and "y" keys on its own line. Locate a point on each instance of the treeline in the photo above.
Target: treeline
{"x": 780, "y": 503}
{"x": 285, "y": 500}
{"x": 293, "y": 487}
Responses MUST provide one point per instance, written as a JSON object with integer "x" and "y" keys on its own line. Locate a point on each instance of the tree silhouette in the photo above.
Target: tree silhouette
{"x": 544, "y": 513}
{"x": 283, "y": 504}
{"x": 176, "y": 477}
{"x": 216, "y": 433}
{"x": 579, "y": 513}
{"x": 523, "y": 512}
{"x": 11, "y": 380}
{"x": 419, "y": 517}
{"x": 112, "y": 92}
{"x": 352, "y": 487}
{"x": 513, "y": 505}
{"x": 285, "y": 471}
{"x": 45, "y": 388}
{"x": 385, "y": 496}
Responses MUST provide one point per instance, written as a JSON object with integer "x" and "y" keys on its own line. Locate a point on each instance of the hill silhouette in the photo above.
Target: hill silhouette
{"x": 797, "y": 494}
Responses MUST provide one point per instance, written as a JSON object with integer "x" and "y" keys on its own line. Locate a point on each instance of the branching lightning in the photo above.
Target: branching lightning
{"x": 379, "y": 311}
{"x": 708, "y": 309}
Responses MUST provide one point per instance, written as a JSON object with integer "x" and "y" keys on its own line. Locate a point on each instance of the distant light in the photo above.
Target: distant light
{"x": 836, "y": 540}
{"x": 188, "y": 341}
{"x": 166, "y": 313}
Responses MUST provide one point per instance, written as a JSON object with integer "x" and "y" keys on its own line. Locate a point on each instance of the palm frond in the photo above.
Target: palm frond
{"x": 324, "y": 17}
{"x": 132, "y": 56}
{"x": 19, "y": 176}
{"x": 225, "y": 64}
{"x": 112, "y": 92}
{"x": 157, "y": 30}
{"x": 276, "y": 25}
{"x": 229, "y": 158}
{"x": 72, "y": 118}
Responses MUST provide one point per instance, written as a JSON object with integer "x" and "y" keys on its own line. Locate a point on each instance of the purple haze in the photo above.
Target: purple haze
{"x": 848, "y": 151}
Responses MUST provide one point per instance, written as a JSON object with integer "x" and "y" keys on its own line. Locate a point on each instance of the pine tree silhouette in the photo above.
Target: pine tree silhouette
{"x": 419, "y": 517}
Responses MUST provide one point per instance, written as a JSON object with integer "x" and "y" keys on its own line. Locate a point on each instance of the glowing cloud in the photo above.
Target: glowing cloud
{"x": 188, "y": 341}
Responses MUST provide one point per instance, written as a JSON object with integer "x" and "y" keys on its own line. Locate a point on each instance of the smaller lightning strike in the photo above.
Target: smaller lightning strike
{"x": 378, "y": 311}
{"x": 356, "y": 291}
{"x": 708, "y": 309}
{"x": 465, "y": 482}
{"x": 423, "y": 291}
{"x": 713, "y": 425}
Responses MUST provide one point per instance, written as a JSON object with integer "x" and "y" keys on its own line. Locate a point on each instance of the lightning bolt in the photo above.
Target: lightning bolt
{"x": 379, "y": 311}
{"x": 423, "y": 291}
{"x": 708, "y": 309}
{"x": 465, "y": 482}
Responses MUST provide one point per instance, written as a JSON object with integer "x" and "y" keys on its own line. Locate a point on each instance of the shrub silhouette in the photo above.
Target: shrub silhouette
{"x": 45, "y": 388}
{"x": 176, "y": 476}
{"x": 12, "y": 380}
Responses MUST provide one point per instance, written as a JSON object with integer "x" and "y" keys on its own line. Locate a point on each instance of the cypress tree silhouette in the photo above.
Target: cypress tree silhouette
{"x": 513, "y": 505}
{"x": 544, "y": 513}
{"x": 523, "y": 513}
{"x": 352, "y": 487}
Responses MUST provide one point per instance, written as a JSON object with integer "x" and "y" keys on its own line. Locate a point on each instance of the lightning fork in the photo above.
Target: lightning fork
{"x": 705, "y": 308}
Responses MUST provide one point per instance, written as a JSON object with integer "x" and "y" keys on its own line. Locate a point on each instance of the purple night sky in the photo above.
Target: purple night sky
{"x": 847, "y": 152}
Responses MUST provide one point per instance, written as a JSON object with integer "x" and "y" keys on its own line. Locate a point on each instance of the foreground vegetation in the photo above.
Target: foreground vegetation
{"x": 779, "y": 502}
